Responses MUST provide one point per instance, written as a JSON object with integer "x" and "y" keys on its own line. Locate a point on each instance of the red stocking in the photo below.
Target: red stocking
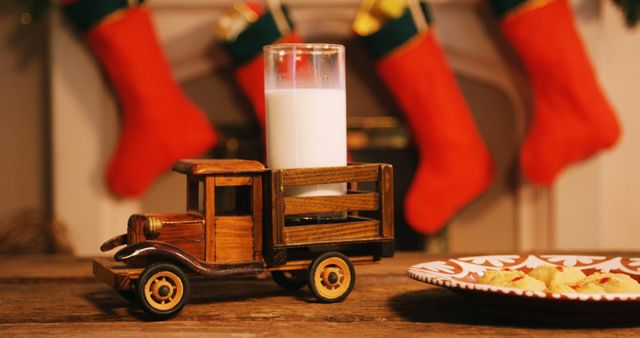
{"x": 250, "y": 77}
{"x": 159, "y": 124}
{"x": 572, "y": 118}
{"x": 246, "y": 51}
{"x": 455, "y": 165}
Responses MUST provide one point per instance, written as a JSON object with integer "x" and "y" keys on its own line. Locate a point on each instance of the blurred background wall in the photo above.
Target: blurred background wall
{"x": 23, "y": 101}
{"x": 25, "y": 177}
{"x": 60, "y": 122}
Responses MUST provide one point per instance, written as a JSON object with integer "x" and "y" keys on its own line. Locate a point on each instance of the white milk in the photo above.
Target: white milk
{"x": 307, "y": 128}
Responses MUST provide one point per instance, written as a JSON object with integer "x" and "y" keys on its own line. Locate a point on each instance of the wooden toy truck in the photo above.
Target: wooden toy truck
{"x": 245, "y": 233}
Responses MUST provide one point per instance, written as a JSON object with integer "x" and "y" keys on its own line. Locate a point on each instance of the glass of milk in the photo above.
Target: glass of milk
{"x": 306, "y": 110}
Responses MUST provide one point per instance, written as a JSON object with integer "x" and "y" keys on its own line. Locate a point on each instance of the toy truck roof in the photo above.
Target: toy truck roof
{"x": 217, "y": 166}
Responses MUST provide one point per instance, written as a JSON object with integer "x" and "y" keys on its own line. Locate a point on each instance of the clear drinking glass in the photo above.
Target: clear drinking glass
{"x": 306, "y": 110}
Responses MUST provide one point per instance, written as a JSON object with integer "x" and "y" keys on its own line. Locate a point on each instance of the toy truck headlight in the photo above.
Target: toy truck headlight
{"x": 152, "y": 227}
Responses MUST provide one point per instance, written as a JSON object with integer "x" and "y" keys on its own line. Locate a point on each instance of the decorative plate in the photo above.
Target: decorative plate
{"x": 460, "y": 275}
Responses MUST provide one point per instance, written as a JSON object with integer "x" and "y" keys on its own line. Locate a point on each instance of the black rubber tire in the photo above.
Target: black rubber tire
{"x": 291, "y": 280}
{"x": 148, "y": 307}
{"x": 316, "y": 287}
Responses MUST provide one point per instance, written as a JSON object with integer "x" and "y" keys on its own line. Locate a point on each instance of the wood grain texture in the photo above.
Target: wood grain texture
{"x": 385, "y": 187}
{"x": 234, "y": 238}
{"x": 268, "y": 216}
{"x": 189, "y": 237}
{"x": 324, "y": 204}
{"x": 277, "y": 205}
{"x": 135, "y": 232}
{"x": 383, "y": 303}
{"x": 176, "y": 218}
{"x": 217, "y": 166}
{"x": 232, "y": 181}
{"x": 353, "y": 201}
{"x": 351, "y": 173}
{"x": 257, "y": 206}
{"x": 176, "y": 228}
{"x": 210, "y": 219}
{"x": 114, "y": 242}
{"x": 115, "y": 274}
{"x": 327, "y": 233}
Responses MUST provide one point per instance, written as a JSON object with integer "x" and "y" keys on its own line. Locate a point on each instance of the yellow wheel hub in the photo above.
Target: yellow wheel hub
{"x": 332, "y": 277}
{"x": 163, "y": 291}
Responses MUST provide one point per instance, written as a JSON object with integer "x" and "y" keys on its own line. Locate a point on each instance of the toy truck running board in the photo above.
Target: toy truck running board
{"x": 168, "y": 252}
{"x": 115, "y": 274}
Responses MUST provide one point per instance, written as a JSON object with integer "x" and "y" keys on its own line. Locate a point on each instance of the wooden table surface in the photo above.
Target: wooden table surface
{"x": 58, "y": 296}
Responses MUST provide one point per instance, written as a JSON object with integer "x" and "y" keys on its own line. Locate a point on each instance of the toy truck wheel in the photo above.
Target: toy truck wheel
{"x": 331, "y": 277}
{"x": 291, "y": 280}
{"x": 163, "y": 290}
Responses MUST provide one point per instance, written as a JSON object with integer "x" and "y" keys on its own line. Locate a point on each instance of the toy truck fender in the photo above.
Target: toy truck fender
{"x": 114, "y": 243}
{"x": 156, "y": 251}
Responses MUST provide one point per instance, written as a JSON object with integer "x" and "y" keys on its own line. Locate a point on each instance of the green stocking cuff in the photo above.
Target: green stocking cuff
{"x": 249, "y": 43}
{"x": 503, "y": 7}
{"x": 87, "y": 13}
{"x": 393, "y": 33}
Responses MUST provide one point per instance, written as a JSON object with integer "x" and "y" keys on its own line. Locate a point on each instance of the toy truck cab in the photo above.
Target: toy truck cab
{"x": 236, "y": 223}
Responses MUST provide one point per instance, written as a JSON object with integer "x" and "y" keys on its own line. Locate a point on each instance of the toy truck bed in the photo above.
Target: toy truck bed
{"x": 357, "y": 234}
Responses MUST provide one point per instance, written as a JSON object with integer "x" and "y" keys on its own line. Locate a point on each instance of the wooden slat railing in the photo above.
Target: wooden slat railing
{"x": 324, "y": 204}
{"x": 360, "y": 228}
{"x": 332, "y": 233}
{"x": 352, "y": 173}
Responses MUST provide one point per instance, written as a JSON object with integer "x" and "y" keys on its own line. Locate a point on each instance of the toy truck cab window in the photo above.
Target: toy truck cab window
{"x": 233, "y": 200}
{"x": 195, "y": 194}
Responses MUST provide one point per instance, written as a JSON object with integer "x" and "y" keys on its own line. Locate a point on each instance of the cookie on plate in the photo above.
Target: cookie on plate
{"x": 557, "y": 275}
